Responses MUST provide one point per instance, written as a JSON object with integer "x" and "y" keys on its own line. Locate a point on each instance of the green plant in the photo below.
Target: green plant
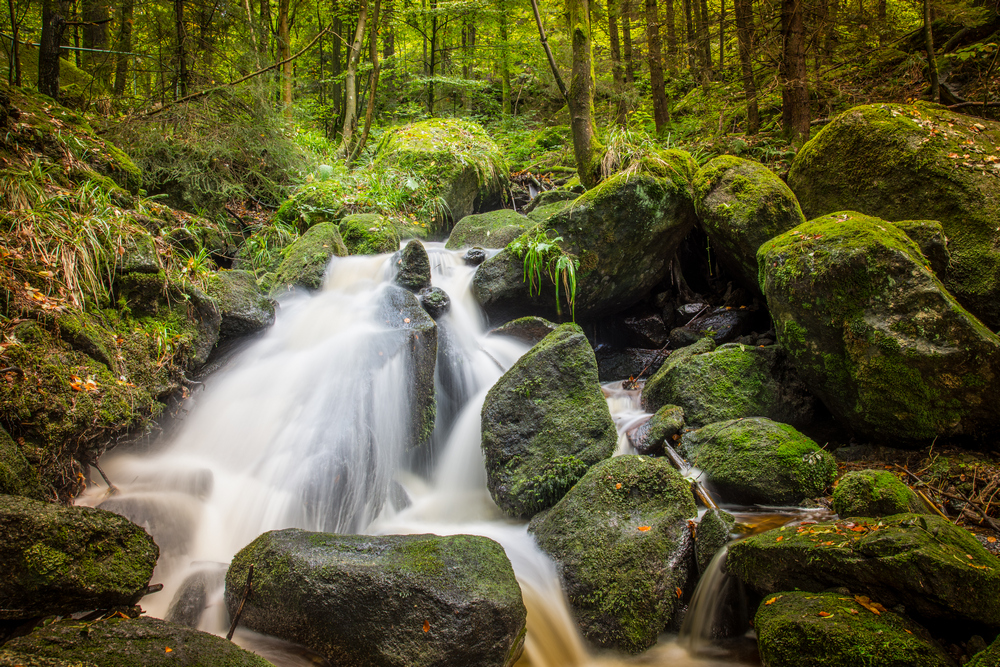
{"x": 543, "y": 256}
{"x": 197, "y": 265}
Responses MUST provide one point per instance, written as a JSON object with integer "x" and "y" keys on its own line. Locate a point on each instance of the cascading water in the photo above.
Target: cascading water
{"x": 308, "y": 427}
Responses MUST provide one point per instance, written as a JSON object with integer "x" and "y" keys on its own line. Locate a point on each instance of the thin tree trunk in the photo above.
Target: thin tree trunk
{"x": 690, "y": 39}
{"x": 181, "y": 30}
{"x": 432, "y": 64}
{"x": 932, "y": 70}
{"x": 14, "y": 75}
{"x": 722, "y": 36}
{"x": 744, "y": 32}
{"x": 671, "y": 35}
{"x": 660, "y": 112}
{"x": 627, "y": 42}
{"x": 506, "y": 101}
{"x": 552, "y": 61}
{"x": 336, "y": 67}
{"x": 581, "y": 94}
{"x": 351, "y": 84}
{"x": 94, "y": 14}
{"x": 264, "y": 48}
{"x": 372, "y": 83}
{"x": 616, "y": 59}
{"x": 794, "y": 92}
{"x": 704, "y": 49}
{"x": 54, "y": 14}
{"x": 124, "y": 45}
{"x": 285, "y": 50}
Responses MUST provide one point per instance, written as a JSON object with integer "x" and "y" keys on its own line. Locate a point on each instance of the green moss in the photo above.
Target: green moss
{"x": 488, "y": 230}
{"x": 368, "y": 234}
{"x": 306, "y": 259}
{"x": 874, "y": 493}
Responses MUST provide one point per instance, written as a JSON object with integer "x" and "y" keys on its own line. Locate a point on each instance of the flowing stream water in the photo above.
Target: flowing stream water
{"x": 306, "y": 428}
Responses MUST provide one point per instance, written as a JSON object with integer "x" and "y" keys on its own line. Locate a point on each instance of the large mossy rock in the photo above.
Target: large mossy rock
{"x": 759, "y": 461}
{"x": 796, "y": 629}
{"x": 392, "y": 600}
{"x": 124, "y": 642}
{"x": 741, "y": 204}
{"x": 902, "y": 162}
{"x": 61, "y": 560}
{"x": 245, "y": 309}
{"x": 18, "y": 476}
{"x": 306, "y": 259}
{"x": 368, "y": 234}
{"x": 990, "y": 657}
{"x": 936, "y": 570}
{"x": 457, "y": 155}
{"x": 875, "y": 335}
{"x": 544, "y": 423}
{"x": 874, "y": 493}
{"x": 729, "y": 382}
{"x": 621, "y": 539}
{"x": 494, "y": 229}
{"x": 624, "y": 232}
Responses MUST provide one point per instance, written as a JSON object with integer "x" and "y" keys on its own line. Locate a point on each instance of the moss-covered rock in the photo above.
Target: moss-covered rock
{"x": 796, "y": 629}
{"x": 528, "y": 330}
{"x": 875, "y": 335}
{"x": 306, "y": 259}
{"x": 624, "y": 232}
{"x": 125, "y": 642}
{"x": 17, "y": 476}
{"x": 622, "y": 542}
{"x": 903, "y": 162}
{"x": 730, "y": 382}
{"x": 714, "y": 532}
{"x": 759, "y": 461}
{"x": 936, "y": 570}
{"x": 741, "y": 204}
{"x": 929, "y": 237}
{"x": 396, "y": 600}
{"x": 662, "y": 427}
{"x": 544, "y": 423}
{"x": 549, "y": 197}
{"x": 494, "y": 229}
{"x": 63, "y": 560}
{"x": 368, "y": 234}
{"x": 413, "y": 267}
{"x": 244, "y": 307}
{"x": 874, "y": 493}
{"x": 990, "y": 657}
{"x": 555, "y": 205}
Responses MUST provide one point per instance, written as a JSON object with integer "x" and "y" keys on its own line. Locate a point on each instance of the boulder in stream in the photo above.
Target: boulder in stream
{"x": 368, "y": 234}
{"x": 391, "y": 600}
{"x": 544, "y": 423}
{"x": 244, "y": 307}
{"x": 493, "y": 229}
{"x": 623, "y": 545}
{"x": 875, "y": 493}
{"x": 413, "y": 267}
{"x": 306, "y": 259}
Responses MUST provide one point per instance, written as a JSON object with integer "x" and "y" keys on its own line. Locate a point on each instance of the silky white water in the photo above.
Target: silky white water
{"x": 307, "y": 428}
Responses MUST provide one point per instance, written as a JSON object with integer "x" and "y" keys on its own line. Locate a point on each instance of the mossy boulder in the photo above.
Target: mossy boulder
{"x": 759, "y": 461}
{"x": 18, "y": 476}
{"x": 544, "y": 423}
{"x": 875, "y": 335}
{"x": 546, "y": 210}
{"x": 244, "y": 307}
{"x": 624, "y": 232}
{"x": 413, "y": 267}
{"x": 797, "y": 629}
{"x": 929, "y": 237}
{"x": 306, "y": 259}
{"x": 741, "y": 204}
{"x": 874, "y": 493}
{"x": 63, "y": 560}
{"x": 935, "y": 569}
{"x": 124, "y": 642}
{"x": 990, "y": 657}
{"x": 650, "y": 437}
{"x": 494, "y": 229}
{"x": 906, "y": 162}
{"x": 457, "y": 156}
{"x": 368, "y": 234}
{"x": 549, "y": 197}
{"x": 528, "y": 330}
{"x": 621, "y": 539}
{"x": 730, "y": 382}
{"x": 391, "y": 600}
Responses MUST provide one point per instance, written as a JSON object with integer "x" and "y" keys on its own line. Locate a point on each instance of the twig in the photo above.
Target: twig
{"x": 112, "y": 489}
{"x": 239, "y": 610}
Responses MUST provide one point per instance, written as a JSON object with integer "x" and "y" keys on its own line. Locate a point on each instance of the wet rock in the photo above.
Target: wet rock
{"x": 124, "y": 642}
{"x": 306, "y": 259}
{"x": 368, "y": 234}
{"x": 528, "y": 330}
{"x": 544, "y": 423}
{"x": 759, "y": 461}
{"x": 875, "y": 335}
{"x": 139, "y": 256}
{"x": 714, "y": 532}
{"x": 723, "y": 325}
{"x": 661, "y": 428}
{"x": 413, "y": 267}
{"x": 797, "y": 629}
{"x": 648, "y": 330}
{"x": 395, "y": 600}
{"x": 192, "y": 596}
{"x": 874, "y": 493}
{"x": 243, "y": 306}
{"x": 171, "y": 519}
{"x": 474, "y": 256}
{"x": 621, "y": 364}
{"x": 435, "y": 301}
{"x": 936, "y": 570}
{"x": 621, "y": 539}
{"x": 494, "y": 229}
{"x": 61, "y": 560}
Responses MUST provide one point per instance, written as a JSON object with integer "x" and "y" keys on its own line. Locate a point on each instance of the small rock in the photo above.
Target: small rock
{"x": 413, "y": 267}
{"x": 435, "y": 301}
{"x": 474, "y": 256}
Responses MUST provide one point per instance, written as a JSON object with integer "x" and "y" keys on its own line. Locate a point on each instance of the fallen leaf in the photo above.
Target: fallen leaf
{"x": 773, "y": 600}
{"x": 168, "y": 650}
{"x": 991, "y": 540}
{"x": 406, "y": 320}
{"x": 679, "y": 593}
{"x": 643, "y": 528}
{"x": 826, "y": 614}
{"x": 873, "y": 607}
{"x": 427, "y": 626}
{"x": 780, "y": 538}
{"x": 618, "y": 485}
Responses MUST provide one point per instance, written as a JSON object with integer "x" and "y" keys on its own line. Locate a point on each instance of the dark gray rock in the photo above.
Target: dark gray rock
{"x": 413, "y": 267}
{"x": 621, "y": 364}
{"x": 528, "y": 330}
{"x": 243, "y": 306}
{"x": 435, "y": 301}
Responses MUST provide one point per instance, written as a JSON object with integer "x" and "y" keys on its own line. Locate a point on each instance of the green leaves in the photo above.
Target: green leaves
{"x": 543, "y": 256}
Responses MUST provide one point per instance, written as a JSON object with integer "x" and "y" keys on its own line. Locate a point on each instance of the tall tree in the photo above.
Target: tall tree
{"x": 671, "y": 34}
{"x": 794, "y": 91}
{"x": 95, "y": 19}
{"x": 616, "y": 60}
{"x": 54, "y": 13}
{"x": 284, "y": 51}
{"x": 626, "y": 16}
{"x": 932, "y": 70}
{"x": 548, "y": 51}
{"x": 660, "y": 112}
{"x": 372, "y": 83}
{"x": 180, "y": 28}
{"x": 744, "y": 36}
{"x": 586, "y": 146}
{"x": 14, "y": 73}
{"x": 123, "y": 45}
{"x": 351, "y": 85}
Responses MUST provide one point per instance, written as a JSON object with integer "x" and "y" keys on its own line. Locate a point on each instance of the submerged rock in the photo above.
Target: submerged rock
{"x": 494, "y": 229}
{"x": 544, "y": 423}
{"x": 936, "y": 570}
{"x": 797, "y": 629}
{"x": 622, "y": 542}
{"x": 391, "y": 600}
{"x": 759, "y": 461}
{"x": 875, "y": 335}
{"x": 306, "y": 259}
{"x": 874, "y": 493}
{"x": 61, "y": 560}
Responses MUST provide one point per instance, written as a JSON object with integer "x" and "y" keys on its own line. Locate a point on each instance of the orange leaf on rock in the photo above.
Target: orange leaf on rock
{"x": 427, "y": 626}
{"x": 643, "y": 528}
{"x": 873, "y": 607}
{"x": 825, "y": 614}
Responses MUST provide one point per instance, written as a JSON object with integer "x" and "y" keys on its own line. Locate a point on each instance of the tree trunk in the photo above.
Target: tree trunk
{"x": 660, "y": 112}
{"x": 432, "y": 63}
{"x": 616, "y": 60}
{"x": 94, "y": 14}
{"x": 351, "y": 84}
{"x": 54, "y": 14}
{"x": 722, "y": 36}
{"x": 284, "y": 51}
{"x": 932, "y": 70}
{"x": 264, "y": 48}
{"x": 671, "y": 35}
{"x": 336, "y": 67}
{"x": 124, "y": 45}
{"x": 14, "y": 74}
{"x": 581, "y": 94}
{"x": 504, "y": 60}
{"x": 182, "y": 74}
{"x": 692, "y": 56}
{"x": 701, "y": 38}
{"x": 627, "y": 42}
{"x": 372, "y": 83}
{"x": 548, "y": 52}
{"x": 794, "y": 92}
{"x": 744, "y": 35}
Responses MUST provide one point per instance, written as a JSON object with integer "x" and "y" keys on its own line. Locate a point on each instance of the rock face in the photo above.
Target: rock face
{"x": 624, "y": 232}
{"x": 494, "y": 229}
{"x": 544, "y": 423}
{"x": 306, "y": 259}
{"x": 17, "y": 476}
{"x": 61, "y": 560}
{"x": 733, "y": 381}
{"x": 413, "y": 267}
{"x": 623, "y": 545}
{"x": 759, "y": 461}
{"x": 929, "y": 237}
{"x": 622, "y": 364}
{"x": 741, "y": 204}
{"x": 873, "y": 493}
{"x": 900, "y": 162}
{"x": 875, "y": 335}
{"x": 816, "y": 630}
{"x": 124, "y": 642}
{"x": 368, "y": 234}
{"x": 934, "y": 569}
{"x": 528, "y": 330}
{"x": 244, "y": 308}
{"x": 400, "y": 600}
{"x": 661, "y": 428}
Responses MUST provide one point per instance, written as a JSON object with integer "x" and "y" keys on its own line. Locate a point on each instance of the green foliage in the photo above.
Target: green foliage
{"x": 543, "y": 256}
